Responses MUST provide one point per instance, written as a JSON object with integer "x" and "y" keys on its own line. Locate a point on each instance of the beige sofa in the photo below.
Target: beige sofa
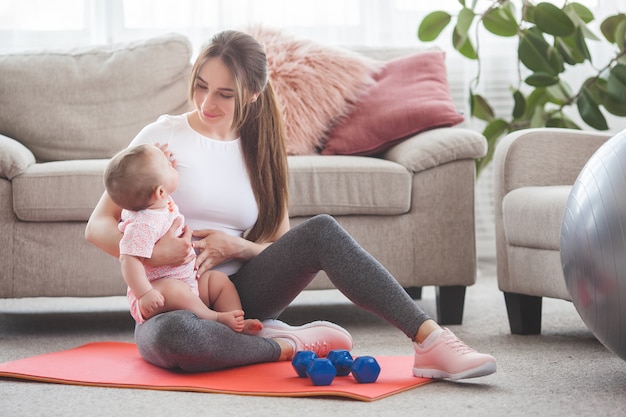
{"x": 534, "y": 171}
{"x": 62, "y": 115}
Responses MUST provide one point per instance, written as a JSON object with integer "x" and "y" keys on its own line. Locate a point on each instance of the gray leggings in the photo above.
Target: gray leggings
{"x": 267, "y": 284}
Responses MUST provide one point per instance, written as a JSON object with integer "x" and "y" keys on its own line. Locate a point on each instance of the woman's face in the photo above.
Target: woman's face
{"x": 214, "y": 100}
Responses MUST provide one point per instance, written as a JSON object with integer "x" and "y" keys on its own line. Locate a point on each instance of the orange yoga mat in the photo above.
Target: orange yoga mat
{"x": 115, "y": 364}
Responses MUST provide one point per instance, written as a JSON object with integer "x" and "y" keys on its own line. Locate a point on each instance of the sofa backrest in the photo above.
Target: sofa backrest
{"x": 113, "y": 91}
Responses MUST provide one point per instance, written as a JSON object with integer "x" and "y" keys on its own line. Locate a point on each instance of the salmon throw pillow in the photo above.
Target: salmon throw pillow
{"x": 411, "y": 94}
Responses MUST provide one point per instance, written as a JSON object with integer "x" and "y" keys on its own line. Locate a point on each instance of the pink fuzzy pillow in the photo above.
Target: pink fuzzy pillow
{"x": 411, "y": 95}
{"x": 315, "y": 85}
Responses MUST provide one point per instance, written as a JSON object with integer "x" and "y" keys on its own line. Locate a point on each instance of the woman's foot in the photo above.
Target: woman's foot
{"x": 443, "y": 355}
{"x": 252, "y": 326}
{"x": 319, "y": 336}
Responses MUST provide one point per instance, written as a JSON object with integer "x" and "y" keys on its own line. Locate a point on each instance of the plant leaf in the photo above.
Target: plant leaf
{"x": 609, "y": 25}
{"x": 537, "y": 55}
{"x": 614, "y": 107}
{"x": 531, "y": 52}
{"x": 590, "y": 111}
{"x": 620, "y": 34}
{"x": 464, "y": 22}
{"x": 466, "y": 48}
{"x": 581, "y": 44}
{"x": 432, "y": 26}
{"x": 552, "y": 20}
{"x": 570, "y": 54}
{"x": 559, "y": 93}
{"x": 541, "y": 79}
{"x": 528, "y": 14}
{"x": 493, "y": 131}
{"x": 568, "y": 50}
{"x": 480, "y": 108}
{"x": 537, "y": 118}
{"x": 501, "y": 22}
{"x": 537, "y": 97}
{"x": 579, "y": 10}
{"x": 580, "y": 16}
{"x": 600, "y": 92}
{"x": 520, "y": 104}
{"x": 616, "y": 84}
{"x": 562, "y": 121}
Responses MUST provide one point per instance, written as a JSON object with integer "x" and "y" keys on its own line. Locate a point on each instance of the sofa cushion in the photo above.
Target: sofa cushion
{"x": 411, "y": 95}
{"x": 90, "y": 102}
{"x": 344, "y": 185}
{"x": 58, "y": 191}
{"x": 315, "y": 84}
{"x": 532, "y": 216}
{"x": 337, "y": 185}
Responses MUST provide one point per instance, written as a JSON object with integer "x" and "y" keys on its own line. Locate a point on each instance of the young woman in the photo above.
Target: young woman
{"x": 230, "y": 150}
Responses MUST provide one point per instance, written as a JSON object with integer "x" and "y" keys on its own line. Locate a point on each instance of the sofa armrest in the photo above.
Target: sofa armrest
{"x": 14, "y": 158}
{"x": 435, "y": 147}
{"x": 543, "y": 156}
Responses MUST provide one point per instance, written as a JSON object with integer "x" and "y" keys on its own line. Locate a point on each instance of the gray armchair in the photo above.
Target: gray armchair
{"x": 534, "y": 171}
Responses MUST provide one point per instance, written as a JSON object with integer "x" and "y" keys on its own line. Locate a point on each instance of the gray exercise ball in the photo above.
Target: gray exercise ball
{"x": 593, "y": 244}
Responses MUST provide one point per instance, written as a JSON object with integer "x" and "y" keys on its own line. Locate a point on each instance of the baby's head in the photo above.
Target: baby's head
{"x": 138, "y": 176}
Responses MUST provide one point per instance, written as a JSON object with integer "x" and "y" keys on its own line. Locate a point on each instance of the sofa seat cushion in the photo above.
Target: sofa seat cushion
{"x": 345, "y": 185}
{"x": 532, "y": 216}
{"x": 337, "y": 185}
{"x": 58, "y": 191}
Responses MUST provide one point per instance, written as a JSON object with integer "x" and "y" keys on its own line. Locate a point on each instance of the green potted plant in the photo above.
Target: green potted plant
{"x": 550, "y": 41}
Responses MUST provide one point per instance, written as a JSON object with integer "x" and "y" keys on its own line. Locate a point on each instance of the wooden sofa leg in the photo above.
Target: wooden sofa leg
{"x": 524, "y": 313}
{"x": 414, "y": 292}
{"x": 450, "y": 304}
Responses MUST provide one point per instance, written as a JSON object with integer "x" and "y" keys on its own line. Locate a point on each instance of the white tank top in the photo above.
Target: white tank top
{"x": 214, "y": 190}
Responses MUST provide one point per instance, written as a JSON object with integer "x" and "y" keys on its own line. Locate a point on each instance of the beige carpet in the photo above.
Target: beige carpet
{"x": 563, "y": 372}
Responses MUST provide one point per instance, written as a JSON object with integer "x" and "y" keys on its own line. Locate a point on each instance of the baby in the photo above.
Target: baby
{"x": 140, "y": 180}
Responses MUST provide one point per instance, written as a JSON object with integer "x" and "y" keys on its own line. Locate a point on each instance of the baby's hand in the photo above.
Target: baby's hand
{"x": 151, "y": 303}
{"x": 167, "y": 153}
{"x": 233, "y": 319}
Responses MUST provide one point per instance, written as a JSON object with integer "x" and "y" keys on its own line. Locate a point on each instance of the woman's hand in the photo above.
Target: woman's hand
{"x": 167, "y": 152}
{"x": 215, "y": 247}
{"x": 172, "y": 249}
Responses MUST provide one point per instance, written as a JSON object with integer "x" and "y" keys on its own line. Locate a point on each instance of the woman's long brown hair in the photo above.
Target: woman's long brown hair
{"x": 259, "y": 123}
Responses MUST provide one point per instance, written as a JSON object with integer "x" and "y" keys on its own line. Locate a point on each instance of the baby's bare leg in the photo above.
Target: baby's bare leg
{"x": 220, "y": 294}
{"x": 178, "y": 296}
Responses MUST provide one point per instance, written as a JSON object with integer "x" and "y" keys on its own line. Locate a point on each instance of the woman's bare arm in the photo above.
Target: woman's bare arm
{"x": 101, "y": 229}
{"x": 102, "y": 232}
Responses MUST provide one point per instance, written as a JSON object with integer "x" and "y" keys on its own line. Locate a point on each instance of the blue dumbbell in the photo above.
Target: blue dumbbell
{"x": 301, "y": 361}
{"x": 320, "y": 371}
{"x": 365, "y": 369}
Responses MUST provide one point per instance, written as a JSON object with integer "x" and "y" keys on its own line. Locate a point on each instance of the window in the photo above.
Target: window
{"x": 38, "y": 24}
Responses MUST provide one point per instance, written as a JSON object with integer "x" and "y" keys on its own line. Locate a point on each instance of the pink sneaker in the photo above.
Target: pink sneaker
{"x": 319, "y": 336}
{"x": 448, "y": 357}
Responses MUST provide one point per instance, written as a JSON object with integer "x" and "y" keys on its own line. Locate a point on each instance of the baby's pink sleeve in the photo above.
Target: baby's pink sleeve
{"x": 138, "y": 240}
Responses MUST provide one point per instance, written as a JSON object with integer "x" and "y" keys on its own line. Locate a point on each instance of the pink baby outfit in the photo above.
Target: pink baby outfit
{"x": 142, "y": 229}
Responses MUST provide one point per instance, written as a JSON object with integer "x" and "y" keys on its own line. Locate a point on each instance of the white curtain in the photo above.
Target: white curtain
{"x": 34, "y": 24}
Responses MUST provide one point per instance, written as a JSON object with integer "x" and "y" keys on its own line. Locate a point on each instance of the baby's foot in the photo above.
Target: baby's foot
{"x": 252, "y": 326}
